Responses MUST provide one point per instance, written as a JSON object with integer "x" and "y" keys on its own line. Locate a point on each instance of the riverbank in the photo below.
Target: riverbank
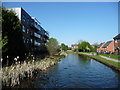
{"x": 77, "y": 71}
{"x": 112, "y": 56}
{"x": 112, "y": 64}
{"x": 13, "y": 75}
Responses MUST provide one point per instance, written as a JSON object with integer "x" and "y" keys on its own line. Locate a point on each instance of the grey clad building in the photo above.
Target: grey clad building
{"x": 34, "y": 35}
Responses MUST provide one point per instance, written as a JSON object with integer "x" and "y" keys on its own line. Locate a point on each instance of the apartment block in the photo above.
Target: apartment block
{"x": 34, "y": 35}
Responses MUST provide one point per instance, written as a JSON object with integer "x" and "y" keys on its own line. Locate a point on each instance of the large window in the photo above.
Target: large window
{"x": 36, "y": 25}
{"x": 37, "y": 35}
{"x": 26, "y": 18}
{"x": 42, "y": 31}
{"x": 36, "y": 43}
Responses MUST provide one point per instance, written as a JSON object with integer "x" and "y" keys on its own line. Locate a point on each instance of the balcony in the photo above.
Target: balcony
{"x": 46, "y": 36}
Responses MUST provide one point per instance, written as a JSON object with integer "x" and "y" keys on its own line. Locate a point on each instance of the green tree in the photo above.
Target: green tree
{"x": 52, "y": 46}
{"x": 12, "y": 43}
{"x": 95, "y": 45}
{"x": 84, "y": 47}
{"x": 64, "y": 47}
{"x": 3, "y": 41}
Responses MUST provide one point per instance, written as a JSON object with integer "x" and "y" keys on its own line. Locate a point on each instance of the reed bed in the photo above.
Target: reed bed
{"x": 14, "y": 74}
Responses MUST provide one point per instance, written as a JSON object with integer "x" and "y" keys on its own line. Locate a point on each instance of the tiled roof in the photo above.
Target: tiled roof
{"x": 107, "y": 43}
{"x": 100, "y": 45}
{"x": 117, "y": 37}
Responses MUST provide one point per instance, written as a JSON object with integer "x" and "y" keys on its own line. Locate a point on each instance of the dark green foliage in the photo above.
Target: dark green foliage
{"x": 62, "y": 56}
{"x": 75, "y": 50}
{"x": 95, "y": 47}
{"x": 59, "y": 48}
{"x": 12, "y": 36}
{"x": 64, "y": 47}
{"x": 52, "y": 46}
{"x": 84, "y": 47}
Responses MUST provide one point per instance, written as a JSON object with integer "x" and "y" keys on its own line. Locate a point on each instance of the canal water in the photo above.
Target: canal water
{"x": 75, "y": 71}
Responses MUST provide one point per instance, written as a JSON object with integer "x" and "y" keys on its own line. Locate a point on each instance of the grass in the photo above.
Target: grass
{"x": 111, "y": 56}
{"x": 71, "y": 52}
{"x": 112, "y": 63}
{"x": 12, "y": 75}
{"x": 116, "y": 64}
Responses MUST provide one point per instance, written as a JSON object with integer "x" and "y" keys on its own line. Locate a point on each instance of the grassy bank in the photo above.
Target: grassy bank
{"x": 109, "y": 63}
{"x": 71, "y": 52}
{"x": 111, "y": 56}
{"x": 12, "y": 75}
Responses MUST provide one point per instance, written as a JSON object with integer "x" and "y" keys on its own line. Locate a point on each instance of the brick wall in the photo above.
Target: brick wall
{"x": 101, "y": 49}
{"x": 110, "y": 47}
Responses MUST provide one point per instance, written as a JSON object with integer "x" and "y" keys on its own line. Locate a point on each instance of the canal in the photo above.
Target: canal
{"x": 75, "y": 71}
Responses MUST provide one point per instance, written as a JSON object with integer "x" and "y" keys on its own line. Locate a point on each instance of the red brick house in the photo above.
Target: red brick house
{"x": 107, "y": 47}
{"x": 100, "y": 49}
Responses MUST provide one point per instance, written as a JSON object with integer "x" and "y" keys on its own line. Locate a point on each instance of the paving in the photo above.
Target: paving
{"x": 111, "y": 59}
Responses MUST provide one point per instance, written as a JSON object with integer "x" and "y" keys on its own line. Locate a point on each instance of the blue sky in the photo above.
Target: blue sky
{"x": 70, "y": 22}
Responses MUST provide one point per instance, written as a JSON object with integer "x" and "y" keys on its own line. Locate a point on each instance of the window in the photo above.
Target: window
{"x": 23, "y": 18}
{"x": 31, "y": 40}
{"x": 27, "y": 31}
{"x": 30, "y": 32}
{"x": 23, "y": 28}
{"x": 24, "y": 39}
{"x": 36, "y": 43}
{"x": 26, "y": 18}
{"x": 27, "y": 40}
{"x": 115, "y": 41}
{"x": 37, "y": 35}
{"x": 36, "y": 25}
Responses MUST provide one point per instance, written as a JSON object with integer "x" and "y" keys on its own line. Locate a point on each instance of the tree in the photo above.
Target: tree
{"x": 3, "y": 41}
{"x": 64, "y": 47}
{"x": 52, "y": 46}
{"x": 12, "y": 43}
{"x": 95, "y": 45}
{"x": 84, "y": 47}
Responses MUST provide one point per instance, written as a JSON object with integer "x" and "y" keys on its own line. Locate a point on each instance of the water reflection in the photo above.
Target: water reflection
{"x": 76, "y": 71}
{"x": 84, "y": 59}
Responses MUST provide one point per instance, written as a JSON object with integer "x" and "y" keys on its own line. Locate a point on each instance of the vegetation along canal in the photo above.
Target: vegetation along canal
{"x": 76, "y": 71}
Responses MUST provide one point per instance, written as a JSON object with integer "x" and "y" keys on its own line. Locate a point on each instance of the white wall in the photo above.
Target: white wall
{"x": 17, "y": 11}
